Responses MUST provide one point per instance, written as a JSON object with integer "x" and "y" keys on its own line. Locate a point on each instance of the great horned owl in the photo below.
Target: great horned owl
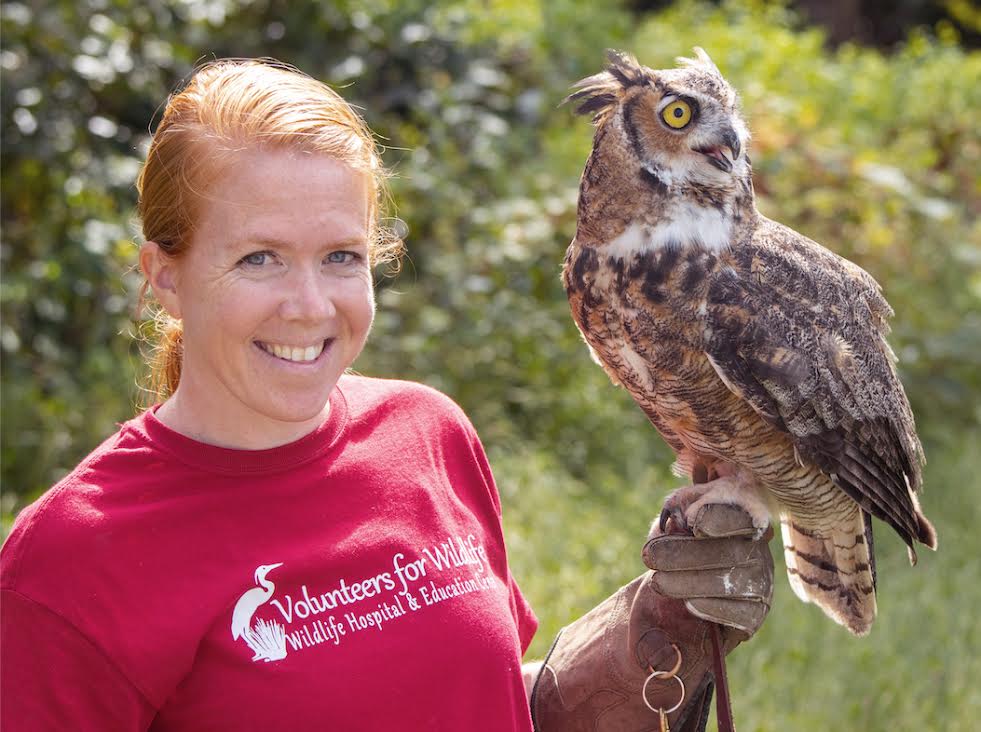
{"x": 759, "y": 355}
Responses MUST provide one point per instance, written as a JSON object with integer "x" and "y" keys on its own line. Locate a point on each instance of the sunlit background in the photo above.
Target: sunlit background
{"x": 865, "y": 118}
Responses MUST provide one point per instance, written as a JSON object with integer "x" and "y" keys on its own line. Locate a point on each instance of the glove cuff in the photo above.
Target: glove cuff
{"x": 535, "y": 690}
{"x": 597, "y": 676}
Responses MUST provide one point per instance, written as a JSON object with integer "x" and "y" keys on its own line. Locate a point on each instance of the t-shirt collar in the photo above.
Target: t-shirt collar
{"x": 230, "y": 461}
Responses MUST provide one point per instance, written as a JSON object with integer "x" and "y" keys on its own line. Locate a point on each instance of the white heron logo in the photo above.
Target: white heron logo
{"x": 266, "y": 639}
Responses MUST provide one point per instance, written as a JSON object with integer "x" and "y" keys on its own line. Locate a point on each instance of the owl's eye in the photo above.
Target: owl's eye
{"x": 677, "y": 115}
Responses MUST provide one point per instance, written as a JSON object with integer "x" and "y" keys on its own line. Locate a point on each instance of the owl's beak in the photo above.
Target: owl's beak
{"x": 723, "y": 155}
{"x": 731, "y": 140}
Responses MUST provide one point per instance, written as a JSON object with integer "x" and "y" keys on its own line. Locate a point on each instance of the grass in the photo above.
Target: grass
{"x": 571, "y": 545}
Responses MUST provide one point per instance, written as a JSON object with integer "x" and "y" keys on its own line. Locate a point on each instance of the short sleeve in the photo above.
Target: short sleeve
{"x": 54, "y": 678}
{"x": 524, "y": 616}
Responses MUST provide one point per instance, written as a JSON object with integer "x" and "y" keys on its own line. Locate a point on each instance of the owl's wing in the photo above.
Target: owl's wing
{"x": 799, "y": 333}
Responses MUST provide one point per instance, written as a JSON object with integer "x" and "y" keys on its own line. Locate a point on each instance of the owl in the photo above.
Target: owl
{"x": 758, "y": 355}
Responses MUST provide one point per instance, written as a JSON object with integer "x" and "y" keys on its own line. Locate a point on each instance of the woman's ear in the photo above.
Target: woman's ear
{"x": 160, "y": 270}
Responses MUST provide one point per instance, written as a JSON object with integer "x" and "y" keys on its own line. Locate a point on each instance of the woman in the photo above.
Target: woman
{"x": 276, "y": 544}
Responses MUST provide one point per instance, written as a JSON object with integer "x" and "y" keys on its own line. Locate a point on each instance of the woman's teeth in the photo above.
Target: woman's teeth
{"x": 294, "y": 353}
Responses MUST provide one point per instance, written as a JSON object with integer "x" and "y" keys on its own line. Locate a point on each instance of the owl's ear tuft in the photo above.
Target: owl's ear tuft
{"x": 626, "y": 69}
{"x": 701, "y": 60}
{"x": 600, "y": 93}
{"x": 594, "y": 102}
{"x": 596, "y": 94}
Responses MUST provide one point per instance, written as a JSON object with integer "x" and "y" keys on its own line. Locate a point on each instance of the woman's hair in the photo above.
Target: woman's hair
{"x": 227, "y": 106}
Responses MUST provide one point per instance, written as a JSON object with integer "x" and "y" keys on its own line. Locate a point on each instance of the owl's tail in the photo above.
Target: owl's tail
{"x": 834, "y": 568}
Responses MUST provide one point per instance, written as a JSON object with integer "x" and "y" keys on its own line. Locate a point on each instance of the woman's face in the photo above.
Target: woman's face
{"x": 275, "y": 295}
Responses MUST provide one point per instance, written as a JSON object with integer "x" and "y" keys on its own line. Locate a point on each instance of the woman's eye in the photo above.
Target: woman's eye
{"x": 256, "y": 259}
{"x": 341, "y": 257}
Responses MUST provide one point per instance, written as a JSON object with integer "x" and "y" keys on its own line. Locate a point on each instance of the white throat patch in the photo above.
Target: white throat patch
{"x": 689, "y": 226}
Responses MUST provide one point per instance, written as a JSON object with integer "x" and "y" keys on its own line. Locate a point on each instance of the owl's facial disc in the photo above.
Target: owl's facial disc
{"x": 691, "y": 129}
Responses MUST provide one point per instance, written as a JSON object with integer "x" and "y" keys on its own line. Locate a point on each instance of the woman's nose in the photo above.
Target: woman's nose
{"x": 307, "y": 297}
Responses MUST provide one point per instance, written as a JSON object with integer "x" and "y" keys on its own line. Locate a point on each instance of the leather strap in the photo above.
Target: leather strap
{"x": 723, "y": 707}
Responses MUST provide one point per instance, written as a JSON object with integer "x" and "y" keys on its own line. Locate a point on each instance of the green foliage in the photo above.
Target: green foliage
{"x": 876, "y": 156}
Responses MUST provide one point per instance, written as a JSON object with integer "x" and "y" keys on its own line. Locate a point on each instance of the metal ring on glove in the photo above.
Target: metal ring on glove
{"x": 677, "y": 665}
{"x": 643, "y": 693}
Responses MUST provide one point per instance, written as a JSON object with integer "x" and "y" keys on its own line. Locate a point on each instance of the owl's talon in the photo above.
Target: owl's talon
{"x": 662, "y": 523}
{"x": 673, "y": 521}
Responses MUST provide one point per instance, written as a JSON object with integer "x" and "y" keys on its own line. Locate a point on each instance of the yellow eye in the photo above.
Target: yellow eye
{"x": 677, "y": 115}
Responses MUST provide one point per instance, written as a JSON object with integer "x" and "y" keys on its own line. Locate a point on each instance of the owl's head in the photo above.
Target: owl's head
{"x": 682, "y": 124}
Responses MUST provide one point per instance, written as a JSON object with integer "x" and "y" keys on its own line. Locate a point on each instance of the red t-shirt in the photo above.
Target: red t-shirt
{"x": 355, "y": 579}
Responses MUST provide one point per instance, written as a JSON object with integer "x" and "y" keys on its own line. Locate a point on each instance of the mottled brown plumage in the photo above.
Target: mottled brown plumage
{"x": 757, "y": 354}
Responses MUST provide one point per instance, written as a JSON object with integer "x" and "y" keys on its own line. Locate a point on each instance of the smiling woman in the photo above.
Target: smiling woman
{"x": 228, "y": 111}
{"x": 175, "y": 579}
{"x": 268, "y": 331}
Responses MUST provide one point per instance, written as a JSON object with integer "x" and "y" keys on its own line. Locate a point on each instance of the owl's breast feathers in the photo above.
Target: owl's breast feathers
{"x": 639, "y": 313}
{"x": 774, "y": 337}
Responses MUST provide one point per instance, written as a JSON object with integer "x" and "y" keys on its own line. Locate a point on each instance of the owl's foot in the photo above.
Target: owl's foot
{"x": 672, "y": 520}
{"x": 697, "y": 505}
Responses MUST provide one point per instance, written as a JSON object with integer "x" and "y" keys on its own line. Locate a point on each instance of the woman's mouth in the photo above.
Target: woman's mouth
{"x": 297, "y": 354}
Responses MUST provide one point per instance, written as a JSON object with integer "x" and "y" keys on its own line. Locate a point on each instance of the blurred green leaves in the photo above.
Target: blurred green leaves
{"x": 875, "y": 156}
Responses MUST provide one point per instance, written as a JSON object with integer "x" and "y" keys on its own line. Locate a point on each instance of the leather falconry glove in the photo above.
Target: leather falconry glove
{"x": 641, "y": 650}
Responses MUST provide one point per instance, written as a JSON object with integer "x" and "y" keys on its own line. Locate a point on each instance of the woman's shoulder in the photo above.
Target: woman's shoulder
{"x": 369, "y": 395}
{"x": 77, "y": 508}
